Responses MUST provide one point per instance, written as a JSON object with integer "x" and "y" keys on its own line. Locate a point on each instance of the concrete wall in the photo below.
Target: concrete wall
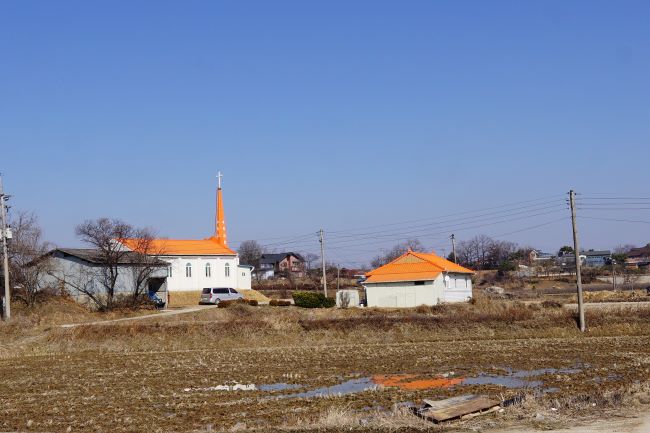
{"x": 455, "y": 288}
{"x": 73, "y": 273}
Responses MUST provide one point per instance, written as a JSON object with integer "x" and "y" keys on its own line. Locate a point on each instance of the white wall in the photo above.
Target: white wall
{"x": 243, "y": 278}
{"x": 404, "y": 294}
{"x": 180, "y": 282}
{"x": 458, "y": 288}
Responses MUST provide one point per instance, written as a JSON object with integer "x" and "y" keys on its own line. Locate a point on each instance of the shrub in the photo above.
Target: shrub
{"x": 328, "y": 302}
{"x": 226, "y": 304}
{"x": 279, "y": 303}
{"x": 312, "y": 300}
{"x": 307, "y": 299}
{"x": 253, "y": 302}
{"x": 551, "y": 304}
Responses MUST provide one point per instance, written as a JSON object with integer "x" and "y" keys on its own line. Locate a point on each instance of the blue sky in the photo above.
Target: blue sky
{"x": 342, "y": 115}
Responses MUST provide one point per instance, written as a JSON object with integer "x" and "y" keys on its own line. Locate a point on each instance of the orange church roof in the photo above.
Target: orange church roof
{"x": 412, "y": 266}
{"x": 182, "y": 247}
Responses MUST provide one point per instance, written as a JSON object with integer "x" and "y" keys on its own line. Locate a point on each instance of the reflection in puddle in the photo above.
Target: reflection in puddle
{"x": 518, "y": 378}
{"x": 411, "y": 382}
{"x": 542, "y": 371}
{"x": 507, "y": 381}
{"x": 348, "y": 387}
{"x": 279, "y": 387}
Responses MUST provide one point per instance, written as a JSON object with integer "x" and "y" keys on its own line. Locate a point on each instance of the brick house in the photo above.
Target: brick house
{"x": 280, "y": 264}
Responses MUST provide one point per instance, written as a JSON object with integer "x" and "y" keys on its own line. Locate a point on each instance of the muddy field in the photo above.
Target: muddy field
{"x": 265, "y": 368}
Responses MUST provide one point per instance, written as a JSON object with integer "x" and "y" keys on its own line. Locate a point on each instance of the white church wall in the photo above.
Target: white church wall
{"x": 198, "y": 278}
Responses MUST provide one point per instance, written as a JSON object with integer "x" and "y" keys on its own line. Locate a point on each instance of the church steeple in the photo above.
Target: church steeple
{"x": 220, "y": 219}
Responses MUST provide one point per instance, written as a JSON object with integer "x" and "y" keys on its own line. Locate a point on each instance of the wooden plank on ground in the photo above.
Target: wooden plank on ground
{"x": 456, "y": 407}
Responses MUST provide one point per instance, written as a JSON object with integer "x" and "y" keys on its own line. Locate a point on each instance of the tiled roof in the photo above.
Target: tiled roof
{"x": 412, "y": 266}
{"x": 272, "y": 258}
{"x": 639, "y": 252}
{"x": 183, "y": 247}
{"x": 94, "y": 256}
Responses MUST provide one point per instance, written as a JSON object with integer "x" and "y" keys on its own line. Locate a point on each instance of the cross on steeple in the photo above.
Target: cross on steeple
{"x": 219, "y": 176}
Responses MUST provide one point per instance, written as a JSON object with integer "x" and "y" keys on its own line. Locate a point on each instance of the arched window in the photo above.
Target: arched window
{"x": 227, "y": 270}
{"x": 188, "y": 270}
{"x": 207, "y": 270}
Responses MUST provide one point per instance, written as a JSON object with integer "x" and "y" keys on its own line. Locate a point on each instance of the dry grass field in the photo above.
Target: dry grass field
{"x": 282, "y": 368}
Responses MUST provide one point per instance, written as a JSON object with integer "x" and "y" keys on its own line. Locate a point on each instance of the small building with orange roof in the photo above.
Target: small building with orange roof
{"x": 417, "y": 279}
{"x": 196, "y": 264}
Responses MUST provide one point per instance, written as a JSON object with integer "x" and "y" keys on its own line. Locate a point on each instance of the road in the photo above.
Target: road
{"x": 164, "y": 313}
{"x": 608, "y": 305}
{"x": 640, "y": 424}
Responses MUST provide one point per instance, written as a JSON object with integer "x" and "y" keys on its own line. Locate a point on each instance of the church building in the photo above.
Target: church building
{"x": 197, "y": 264}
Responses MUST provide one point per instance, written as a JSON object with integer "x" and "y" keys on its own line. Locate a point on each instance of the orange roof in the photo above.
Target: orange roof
{"x": 181, "y": 247}
{"x": 412, "y": 266}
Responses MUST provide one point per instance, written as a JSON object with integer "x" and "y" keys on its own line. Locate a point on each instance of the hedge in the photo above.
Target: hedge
{"x": 312, "y": 300}
{"x": 279, "y": 303}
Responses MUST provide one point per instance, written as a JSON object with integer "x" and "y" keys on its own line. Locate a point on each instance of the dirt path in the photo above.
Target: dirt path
{"x": 164, "y": 313}
{"x": 640, "y": 424}
{"x": 609, "y": 305}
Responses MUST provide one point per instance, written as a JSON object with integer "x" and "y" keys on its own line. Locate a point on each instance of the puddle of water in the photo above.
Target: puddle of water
{"x": 348, "y": 387}
{"x": 279, "y": 387}
{"x": 543, "y": 371}
{"x": 506, "y": 381}
{"x": 410, "y": 382}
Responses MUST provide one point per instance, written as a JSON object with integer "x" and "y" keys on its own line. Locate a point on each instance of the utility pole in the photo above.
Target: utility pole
{"x": 453, "y": 246}
{"x": 338, "y": 277}
{"x": 613, "y": 274}
{"x": 576, "y": 254}
{"x": 322, "y": 259}
{"x": 6, "y": 313}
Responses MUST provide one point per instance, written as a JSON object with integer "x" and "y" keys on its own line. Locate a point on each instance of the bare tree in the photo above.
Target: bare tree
{"x": 500, "y": 252}
{"x": 27, "y": 263}
{"x": 143, "y": 261}
{"x": 396, "y": 251}
{"x": 103, "y": 234}
{"x": 475, "y": 252}
{"x": 310, "y": 258}
{"x": 623, "y": 248}
{"x": 250, "y": 253}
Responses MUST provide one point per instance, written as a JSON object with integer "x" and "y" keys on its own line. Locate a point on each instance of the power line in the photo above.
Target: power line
{"x": 447, "y": 215}
{"x": 530, "y": 208}
{"x": 447, "y": 228}
{"x": 614, "y": 219}
{"x": 588, "y": 207}
{"x": 404, "y": 235}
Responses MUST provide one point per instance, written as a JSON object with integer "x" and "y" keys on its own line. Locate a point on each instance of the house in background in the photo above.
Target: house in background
{"x": 417, "y": 279}
{"x": 639, "y": 257}
{"x": 595, "y": 258}
{"x": 537, "y": 256}
{"x": 281, "y": 264}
